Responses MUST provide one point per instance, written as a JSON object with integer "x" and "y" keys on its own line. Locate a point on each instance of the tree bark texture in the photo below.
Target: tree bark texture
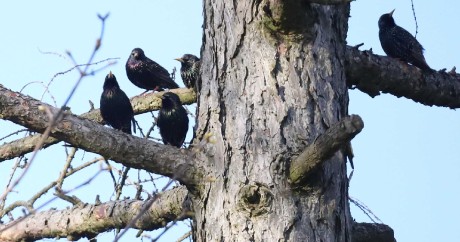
{"x": 372, "y": 232}
{"x": 273, "y": 80}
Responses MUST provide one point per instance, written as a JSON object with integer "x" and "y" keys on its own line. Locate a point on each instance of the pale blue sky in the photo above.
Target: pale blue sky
{"x": 406, "y": 158}
{"x": 408, "y": 155}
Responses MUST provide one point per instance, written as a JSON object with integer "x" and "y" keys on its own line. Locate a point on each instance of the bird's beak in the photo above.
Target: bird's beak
{"x": 391, "y": 13}
{"x": 110, "y": 74}
{"x": 179, "y": 59}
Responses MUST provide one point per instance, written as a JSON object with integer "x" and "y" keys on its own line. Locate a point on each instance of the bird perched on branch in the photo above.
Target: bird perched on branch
{"x": 190, "y": 70}
{"x": 116, "y": 109}
{"x": 172, "y": 120}
{"x": 398, "y": 43}
{"x": 146, "y": 73}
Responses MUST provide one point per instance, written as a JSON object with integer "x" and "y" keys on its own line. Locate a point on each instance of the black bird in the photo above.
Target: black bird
{"x": 116, "y": 109}
{"x": 172, "y": 120}
{"x": 146, "y": 73}
{"x": 190, "y": 70}
{"x": 398, "y": 43}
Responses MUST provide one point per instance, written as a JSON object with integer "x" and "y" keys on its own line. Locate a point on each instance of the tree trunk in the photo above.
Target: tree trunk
{"x": 273, "y": 79}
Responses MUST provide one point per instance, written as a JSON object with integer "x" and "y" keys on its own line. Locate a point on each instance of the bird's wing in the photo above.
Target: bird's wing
{"x": 124, "y": 105}
{"x": 184, "y": 123}
{"x": 161, "y": 74}
{"x": 154, "y": 67}
{"x": 408, "y": 44}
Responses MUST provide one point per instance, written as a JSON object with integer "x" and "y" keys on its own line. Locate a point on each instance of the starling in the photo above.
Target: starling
{"x": 146, "y": 73}
{"x": 398, "y": 43}
{"x": 172, "y": 120}
{"x": 116, "y": 109}
{"x": 190, "y": 70}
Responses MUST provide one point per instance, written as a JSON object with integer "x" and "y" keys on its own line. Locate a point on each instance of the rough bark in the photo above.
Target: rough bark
{"x": 370, "y": 232}
{"x": 88, "y": 220}
{"x": 141, "y": 104}
{"x": 273, "y": 81}
{"x": 123, "y": 148}
{"x": 373, "y": 74}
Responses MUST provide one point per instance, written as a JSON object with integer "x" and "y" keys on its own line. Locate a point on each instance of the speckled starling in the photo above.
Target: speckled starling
{"x": 146, "y": 73}
{"x": 172, "y": 120}
{"x": 190, "y": 70}
{"x": 398, "y": 43}
{"x": 116, "y": 109}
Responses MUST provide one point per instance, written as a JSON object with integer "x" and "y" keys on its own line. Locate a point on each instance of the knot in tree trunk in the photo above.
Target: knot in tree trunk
{"x": 255, "y": 199}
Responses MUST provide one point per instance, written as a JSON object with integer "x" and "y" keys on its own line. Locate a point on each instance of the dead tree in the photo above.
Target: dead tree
{"x": 269, "y": 159}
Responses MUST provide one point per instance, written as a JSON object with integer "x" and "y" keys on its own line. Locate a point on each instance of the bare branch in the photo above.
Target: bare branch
{"x": 29, "y": 204}
{"x": 53, "y": 119}
{"x": 373, "y": 74}
{"x": 89, "y": 220}
{"x": 141, "y": 104}
{"x": 14, "y": 133}
{"x": 63, "y": 174}
{"x": 183, "y": 237}
{"x": 112, "y": 144}
{"x": 71, "y": 199}
{"x": 10, "y": 179}
{"x": 325, "y": 145}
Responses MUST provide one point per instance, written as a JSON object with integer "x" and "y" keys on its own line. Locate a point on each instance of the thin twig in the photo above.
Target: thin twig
{"x": 13, "y": 171}
{"x": 57, "y": 116}
{"x": 165, "y": 230}
{"x": 14, "y": 133}
{"x": 139, "y": 128}
{"x": 110, "y": 168}
{"x": 125, "y": 181}
{"x": 119, "y": 188}
{"x": 77, "y": 66}
{"x": 44, "y": 190}
{"x": 69, "y": 159}
{"x": 146, "y": 206}
{"x": 415, "y": 18}
{"x": 183, "y": 237}
{"x": 365, "y": 209}
{"x": 43, "y": 94}
{"x": 71, "y": 199}
{"x": 13, "y": 223}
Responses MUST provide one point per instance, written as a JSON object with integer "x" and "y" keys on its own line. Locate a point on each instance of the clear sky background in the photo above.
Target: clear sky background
{"x": 406, "y": 158}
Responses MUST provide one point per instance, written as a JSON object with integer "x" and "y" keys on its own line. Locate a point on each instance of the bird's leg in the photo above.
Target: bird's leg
{"x": 144, "y": 93}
